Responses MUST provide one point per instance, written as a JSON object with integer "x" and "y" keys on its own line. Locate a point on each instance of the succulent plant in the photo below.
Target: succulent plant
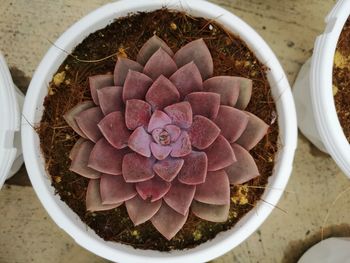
{"x": 165, "y": 137}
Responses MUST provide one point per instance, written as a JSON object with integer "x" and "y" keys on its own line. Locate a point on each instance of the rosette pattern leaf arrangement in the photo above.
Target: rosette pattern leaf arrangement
{"x": 164, "y": 137}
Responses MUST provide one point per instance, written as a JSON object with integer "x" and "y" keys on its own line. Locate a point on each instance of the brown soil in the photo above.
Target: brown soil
{"x": 124, "y": 37}
{"x": 341, "y": 79}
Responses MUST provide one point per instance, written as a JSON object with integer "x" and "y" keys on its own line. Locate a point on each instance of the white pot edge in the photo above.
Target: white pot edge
{"x": 70, "y": 222}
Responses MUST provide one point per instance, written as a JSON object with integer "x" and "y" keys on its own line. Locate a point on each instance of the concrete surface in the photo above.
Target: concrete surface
{"x": 290, "y": 27}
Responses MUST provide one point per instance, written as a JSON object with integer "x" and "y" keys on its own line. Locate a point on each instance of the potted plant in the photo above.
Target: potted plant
{"x": 317, "y": 96}
{"x": 144, "y": 116}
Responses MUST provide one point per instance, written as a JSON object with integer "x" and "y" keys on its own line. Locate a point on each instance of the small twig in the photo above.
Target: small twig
{"x": 275, "y": 206}
{"x": 329, "y": 210}
{"x": 83, "y": 60}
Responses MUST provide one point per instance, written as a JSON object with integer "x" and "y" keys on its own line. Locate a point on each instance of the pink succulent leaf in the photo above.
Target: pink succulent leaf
{"x": 204, "y": 103}
{"x": 168, "y": 222}
{"x": 150, "y": 47}
{"x": 212, "y": 213}
{"x": 93, "y": 198}
{"x": 215, "y": 190}
{"x": 110, "y": 99}
{"x": 194, "y": 169}
{"x": 220, "y": 154}
{"x": 154, "y": 188}
{"x": 245, "y": 93}
{"x": 174, "y": 132}
{"x": 203, "y": 132}
{"x": 180, "y": 197}
{"x": 168, "y": 169}
{"x": 98, "y": 82}
{"x": 122, "y": 68}
{"x": 198, "y": 52}
{"x": 75, "y": 149}
{"x": 87, "y": 121}
{"x": 137, "y": 168}
{"x": 180, "y": 114}
{"x": 162, "y": 93}
{"x": 114, "y": 130}
{"x": 136, "y": 86}
{"x": 139, "y": 141}
{"x": 160, "y": 152}
{"x": 187, "y": 79}
{"x": 255, "y": 131}
{"x": 158, "y": 120}
{"x": 232, "y": 122}
{"x": 114, "y": 189}
{"x": 160, "y": 63}
{"x": 182, "y": 146}
{"x": 69, "y": 116}
{"x": 106, "y": 159}
{"x": 140, "y": 210}
{"x": 137, "y": 113}
{"x": 244, "y": 169}
{"x": 80, "y": 161}
{"x": 227, "y": 86}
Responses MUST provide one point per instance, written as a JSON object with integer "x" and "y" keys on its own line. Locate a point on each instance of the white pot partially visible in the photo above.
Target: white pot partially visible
{"x": 317, "y": 116}
{"x": 70, "y": 222}
{"x": 11, "y": 101}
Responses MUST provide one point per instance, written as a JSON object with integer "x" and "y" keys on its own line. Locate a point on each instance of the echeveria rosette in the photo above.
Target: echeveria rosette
{"x": 165, "y": 137}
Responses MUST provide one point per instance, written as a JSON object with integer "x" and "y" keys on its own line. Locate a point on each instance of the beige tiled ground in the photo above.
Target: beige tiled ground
{"x": 27, "y": 234}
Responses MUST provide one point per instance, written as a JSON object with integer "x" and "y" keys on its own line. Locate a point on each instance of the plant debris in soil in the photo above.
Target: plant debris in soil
{"x": 341, "y": 79}
{"x": 123, "y": 38}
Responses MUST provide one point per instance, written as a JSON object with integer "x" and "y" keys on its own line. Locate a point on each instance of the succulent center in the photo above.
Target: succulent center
{"x": 164, "y": 138}
{"x": 161, "y": 136}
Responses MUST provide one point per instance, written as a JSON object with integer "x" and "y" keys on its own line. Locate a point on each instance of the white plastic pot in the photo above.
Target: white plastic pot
{"x": 11, "y": 101}
{"x": 70, "y": 222}
{"x": 317, "y": 116}
{"x": 331, "y": 250}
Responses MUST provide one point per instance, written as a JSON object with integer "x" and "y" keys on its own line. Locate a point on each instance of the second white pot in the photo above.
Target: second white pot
{"x": 313, "y": 94}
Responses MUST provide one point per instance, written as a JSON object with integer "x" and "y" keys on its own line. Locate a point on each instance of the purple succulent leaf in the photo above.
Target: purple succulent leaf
{"x": 212, "y": 213}
{"x": 256, "y": 129}
{"x": 159, "y": 119}
{"x": 137, "y": 113}
{"x": 220, "y": 154}
{"x": 203, "y": 132}
{"x": 244, "y": 169}
{"x": 182, "y": 146}
{"x": 215, "y": 190}
{"x": 180, "y": 196}
{"x": 69, "y": 116}
{"x": 169, "y": 168}
{"x": 122, "y": 68}
{"x": 153, "y": 189}
{"x": 162, "y": 93}
{"x": 114, "y": 129}
{"x": 139, "y": 141}
{"x": 98, "y": 82}
{"x": 110, "y": 99}
{"x": 75, "y": 149}
{"x": 168, "y": 222}
{"x": 93, "y": 198}
{"x": 150, "y": 47}
{"x": 232, "y": 122}
{"x": 245, "y": 93}
{"x": 106, "y": 159}
{"x": 115, "y": 190}
{"x": 204, "y": 103}
{"x": 187, "y": 79}
{"x": 180, "y": 114}
{"x": 160, "y": 152}
{"x": 140, "y": 210}
{"x": 160, "y": 64}
{"x": 227, "y": 86}
{"x": 136, "y": 85}
{"x": 137, "y": 168}
{"x": 87, "y": 121}
{"x": 194, "y": 169}
{"x": 198, "y": 52}
{"x": 80, "y": 161}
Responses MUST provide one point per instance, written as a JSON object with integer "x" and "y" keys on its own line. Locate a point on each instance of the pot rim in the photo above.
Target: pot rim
{"x": 321, "y": 82}
{"x": 70, "y": 222}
